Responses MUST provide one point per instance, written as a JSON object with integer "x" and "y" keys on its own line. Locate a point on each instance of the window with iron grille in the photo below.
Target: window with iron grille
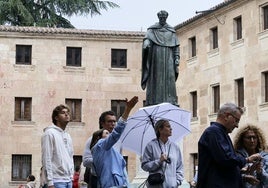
{"x": 192, "y": 47}
{"x": 21, "y": 167}
{"x": 75, "y": 106}
{"x": 23, "y": 109}
{"x": 240, "y": 92}
{"x": 73, "y": 56}
{"x": 118, "y": 107}
{"x": 119, "y": 58}
{"x": 216, "y": 98}
{"x": 265, "y": 17}
{"x": 238, "y": 27}
{"x": 24, "y": 54}
{"x": 194, "y": 103}
{"x": 214, "y": 37}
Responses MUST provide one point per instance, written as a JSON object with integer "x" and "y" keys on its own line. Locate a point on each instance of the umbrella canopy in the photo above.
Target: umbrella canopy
{"x": 140, "y": 128}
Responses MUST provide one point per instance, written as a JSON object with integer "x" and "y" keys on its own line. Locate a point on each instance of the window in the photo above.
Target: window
{"x": 238, "y": 28}
{"x": 77, "y": 160}
{"x": 23, "y": 108}
{"x": 21, "y": 167}
{"x": 265, "y": 86}
{"x": 216, "y": 98}
{"x": 240, "y": 92}
{"x": 194, "y": 103}
{"x": 214, "y": 37}
{"x": 73, "y": 56}
{"x": 118, "y": 107}
{"x": 75, "y": 106}
{"x": 194, "y": 157}
{"x": 24, "y": 54}
{"x": 119, "y": 58}
{"x": 192, "y": 47}
{"x": 265, "y": 17}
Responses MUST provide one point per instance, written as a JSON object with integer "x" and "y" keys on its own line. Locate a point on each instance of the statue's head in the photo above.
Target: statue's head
{"x": 162, "y": 16}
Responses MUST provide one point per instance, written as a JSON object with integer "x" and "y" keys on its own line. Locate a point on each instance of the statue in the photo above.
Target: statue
{"x": 160, "y": 61}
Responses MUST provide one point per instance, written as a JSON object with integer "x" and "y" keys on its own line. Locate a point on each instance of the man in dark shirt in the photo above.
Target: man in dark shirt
{"x": 218, "y": 164}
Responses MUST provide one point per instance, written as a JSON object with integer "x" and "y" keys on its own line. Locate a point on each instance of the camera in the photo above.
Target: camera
{"x": 168, "y": 160}
{"x": 258, "y": 160}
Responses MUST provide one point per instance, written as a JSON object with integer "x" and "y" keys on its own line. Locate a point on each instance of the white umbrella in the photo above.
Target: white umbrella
{"x": 140, "y": 128}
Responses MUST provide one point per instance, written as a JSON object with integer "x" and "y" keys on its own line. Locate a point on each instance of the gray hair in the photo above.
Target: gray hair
{"x": 229, "y": 108}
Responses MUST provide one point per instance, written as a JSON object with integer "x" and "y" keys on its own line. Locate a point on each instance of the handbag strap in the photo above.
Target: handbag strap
{"x": 162, "y": 153}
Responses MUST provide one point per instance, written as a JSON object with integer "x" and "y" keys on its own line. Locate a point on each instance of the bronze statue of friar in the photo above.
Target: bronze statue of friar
{"x": 160, "y": 61}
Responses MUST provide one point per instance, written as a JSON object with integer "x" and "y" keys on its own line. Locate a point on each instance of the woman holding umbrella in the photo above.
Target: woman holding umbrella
{"x": 162, "y": 158}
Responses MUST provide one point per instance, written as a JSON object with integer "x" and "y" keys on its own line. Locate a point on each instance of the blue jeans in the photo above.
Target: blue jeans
{"x": 63, "y": 184}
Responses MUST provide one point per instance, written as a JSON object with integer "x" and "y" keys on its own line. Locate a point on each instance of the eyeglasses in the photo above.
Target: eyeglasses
{"x": 236, "y": 118}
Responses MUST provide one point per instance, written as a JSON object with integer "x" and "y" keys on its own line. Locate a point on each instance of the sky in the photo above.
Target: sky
{"x": 138, "y": 15}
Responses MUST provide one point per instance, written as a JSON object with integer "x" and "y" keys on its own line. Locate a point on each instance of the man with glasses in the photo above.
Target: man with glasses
{"x": 107, "y": 120}
{"x": 218, "y": 164}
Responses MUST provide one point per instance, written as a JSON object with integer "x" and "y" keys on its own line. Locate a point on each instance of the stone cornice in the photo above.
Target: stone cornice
{"x": 48, "y": 32}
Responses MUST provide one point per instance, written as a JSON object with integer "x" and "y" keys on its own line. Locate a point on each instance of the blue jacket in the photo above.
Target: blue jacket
{"x": 219, "y": 166}
{"x": 109, "y": 164}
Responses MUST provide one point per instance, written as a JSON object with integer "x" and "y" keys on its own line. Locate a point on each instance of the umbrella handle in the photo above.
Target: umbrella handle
{"x": 151, "y": 119}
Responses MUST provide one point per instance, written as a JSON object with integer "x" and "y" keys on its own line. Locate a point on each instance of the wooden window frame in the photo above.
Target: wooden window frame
{"x": 75, "y": 106}
{"x": 118, "y": 58}
{"x": 73, "y": 56}
{"x": 238, "y": 27}
{"x": 23, "y": 54}
{"x": 240, "y": 92}
{"x": 265, "y": 74}
{"x": 194, "y": 103}
{"x": 214, "y": 38}
{"x": 216, "y": 98}
{"x": 265, "y": 17}
{"x": 192, "y": 46}
{"x": 118, "y": 107}
{"x": 23, "y": 109}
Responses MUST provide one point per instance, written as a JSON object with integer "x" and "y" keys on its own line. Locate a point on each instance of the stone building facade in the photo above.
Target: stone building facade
{"x": 224, "y": 58}
{"x": 40, "y": 68}
{"x": 224, "y": 54}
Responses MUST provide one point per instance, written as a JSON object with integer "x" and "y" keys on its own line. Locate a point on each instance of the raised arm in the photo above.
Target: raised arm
{"x": 130, "y": 104}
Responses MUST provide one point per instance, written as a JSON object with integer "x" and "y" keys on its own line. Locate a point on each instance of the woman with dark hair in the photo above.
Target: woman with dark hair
{"x": 97, "y": 136}
{"x": 109, "y": 164}
{"x": 248, "y": 141}
{"x": 163, "y": 156}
